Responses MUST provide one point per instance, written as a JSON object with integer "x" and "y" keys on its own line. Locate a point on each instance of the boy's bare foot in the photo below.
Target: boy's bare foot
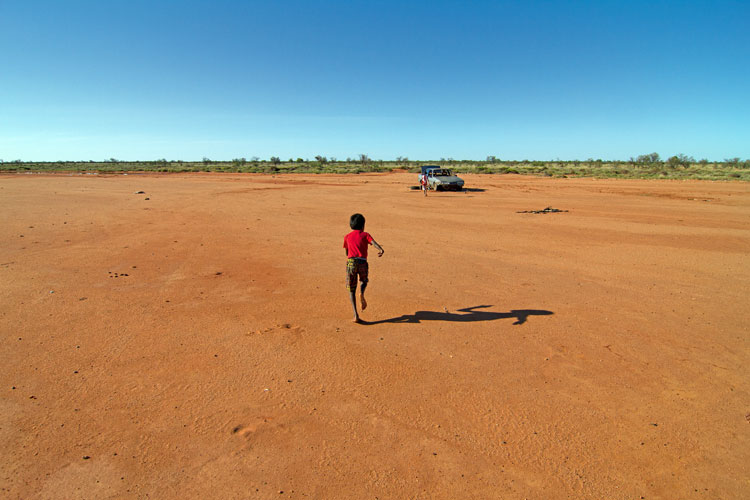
{"x": 364, "y": 302}
{"x": 357, "y": 320}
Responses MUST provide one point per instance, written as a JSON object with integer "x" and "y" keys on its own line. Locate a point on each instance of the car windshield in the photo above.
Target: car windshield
{"x": 441, "y": 171}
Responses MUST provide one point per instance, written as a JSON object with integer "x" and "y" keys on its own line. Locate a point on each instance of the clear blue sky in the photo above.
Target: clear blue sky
{"x": 434, "y": 79}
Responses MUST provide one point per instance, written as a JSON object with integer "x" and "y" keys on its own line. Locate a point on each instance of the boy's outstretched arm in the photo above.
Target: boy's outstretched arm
{"x": 380, "y": 249}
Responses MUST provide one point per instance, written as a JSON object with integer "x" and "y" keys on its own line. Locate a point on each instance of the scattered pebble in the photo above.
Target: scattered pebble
{"x": 86, "y": 457}
{"x": 547, "y": 210}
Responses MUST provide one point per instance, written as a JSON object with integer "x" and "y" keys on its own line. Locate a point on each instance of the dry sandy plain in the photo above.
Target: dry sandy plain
{"x": 196, "y": 341}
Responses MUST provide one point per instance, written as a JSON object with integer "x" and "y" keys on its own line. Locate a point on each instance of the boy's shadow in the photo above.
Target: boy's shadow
{"x": 471, "y": 315}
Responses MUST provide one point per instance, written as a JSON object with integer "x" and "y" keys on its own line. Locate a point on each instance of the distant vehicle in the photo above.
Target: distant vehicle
{"x": 441, "y": 179}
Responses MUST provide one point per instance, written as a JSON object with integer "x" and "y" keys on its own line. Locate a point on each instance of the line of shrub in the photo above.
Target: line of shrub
{"x": 733, "y": 169}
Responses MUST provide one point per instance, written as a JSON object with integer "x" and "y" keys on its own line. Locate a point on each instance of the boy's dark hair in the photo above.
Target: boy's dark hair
{"x": 357, "y": 221}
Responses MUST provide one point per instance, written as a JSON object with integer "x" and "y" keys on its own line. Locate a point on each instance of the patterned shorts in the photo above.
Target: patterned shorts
{"x": 354, "y": 268}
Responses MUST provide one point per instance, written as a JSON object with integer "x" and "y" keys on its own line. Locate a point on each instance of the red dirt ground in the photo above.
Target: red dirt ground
{"x": 199, "y": 343}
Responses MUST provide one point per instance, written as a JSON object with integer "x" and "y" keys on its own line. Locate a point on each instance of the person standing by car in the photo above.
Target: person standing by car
{"x": 423, "y": 182}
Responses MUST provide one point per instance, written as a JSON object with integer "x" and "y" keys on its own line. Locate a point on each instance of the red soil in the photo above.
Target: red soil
{"x": 199, "y": 343}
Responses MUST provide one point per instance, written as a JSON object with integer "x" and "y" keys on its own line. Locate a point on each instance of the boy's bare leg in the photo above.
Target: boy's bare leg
{"x": 362, "y": 295}
{"x": 353, "y": 298}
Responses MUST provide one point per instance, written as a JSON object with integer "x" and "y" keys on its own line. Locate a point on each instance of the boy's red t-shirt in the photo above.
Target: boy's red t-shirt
{"x": 356, "y": 244}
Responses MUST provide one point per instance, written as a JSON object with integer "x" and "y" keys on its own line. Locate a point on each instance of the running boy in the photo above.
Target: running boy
{"x": 355, "y": 244}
